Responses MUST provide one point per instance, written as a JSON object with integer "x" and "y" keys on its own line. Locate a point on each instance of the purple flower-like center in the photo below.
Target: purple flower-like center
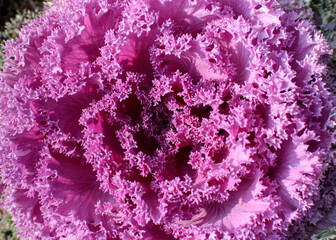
{"x": 158, "y": 119}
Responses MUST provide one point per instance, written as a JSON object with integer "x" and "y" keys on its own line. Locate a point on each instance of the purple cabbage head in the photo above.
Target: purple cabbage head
{"x": 158, "y": 119}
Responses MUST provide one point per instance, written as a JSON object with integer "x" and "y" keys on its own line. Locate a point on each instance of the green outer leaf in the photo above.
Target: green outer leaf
{"x": 329, "y": 234}
{"x": 7, "y": 228}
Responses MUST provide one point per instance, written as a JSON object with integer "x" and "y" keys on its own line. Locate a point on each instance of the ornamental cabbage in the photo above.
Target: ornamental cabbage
{"x": 158, "y": 119}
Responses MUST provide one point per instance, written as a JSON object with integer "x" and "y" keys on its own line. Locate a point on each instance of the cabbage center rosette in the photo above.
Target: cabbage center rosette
{"x": 160, "y": 119}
